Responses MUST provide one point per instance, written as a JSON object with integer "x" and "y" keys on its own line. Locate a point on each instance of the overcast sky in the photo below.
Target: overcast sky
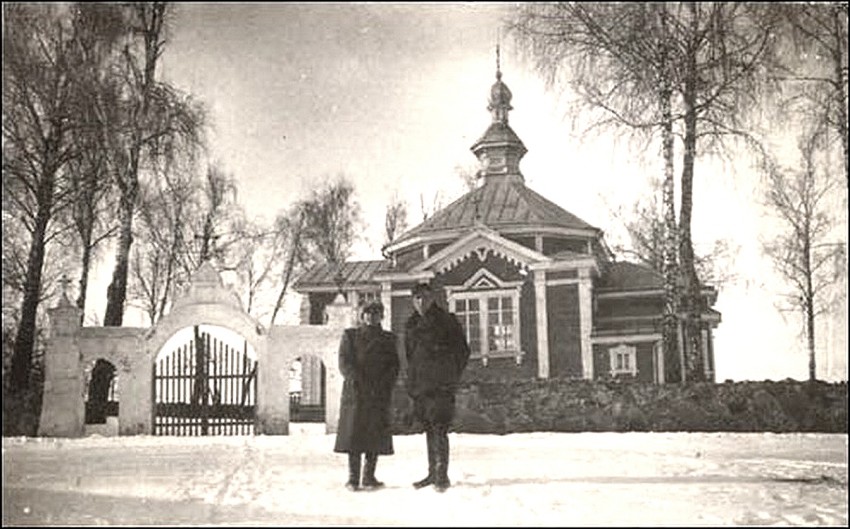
{"x": 394, "y": 95}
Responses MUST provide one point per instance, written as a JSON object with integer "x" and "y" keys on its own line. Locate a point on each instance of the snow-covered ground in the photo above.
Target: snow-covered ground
{"x": 626, "y": 479}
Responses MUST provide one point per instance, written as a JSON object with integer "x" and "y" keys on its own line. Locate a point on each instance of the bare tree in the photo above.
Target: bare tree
{"x": 157, "y": 124}
{"x": 289, "y": 227}
{"x": 395, "y": 218}
{"x": 169, "y": 206}
{"x": 258, "y": 257}
{"x": 621, "y": 63}
{"x": 435, "y": 205}
{"x": 802, "y": 252}
{"x": 101, "y": 28}
{"x": 644, "y": 225}
{"x": 219, "y": 212}
{"x": 687, "y": 68}
{"x": 38, "y": 118}
{"x": 819, "y": 68}
{"x": 331, "y": 216}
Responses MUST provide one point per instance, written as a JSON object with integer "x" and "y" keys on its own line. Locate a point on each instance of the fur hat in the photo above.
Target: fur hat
{"x": 372, "y": 307}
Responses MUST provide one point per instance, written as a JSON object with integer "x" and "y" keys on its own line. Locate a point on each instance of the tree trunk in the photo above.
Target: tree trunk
{"x": 287, "y": 274}
{"x": 84, "y": 277}
{"x": 25, "y": 338}
{"x": 693, "y": 357}
{"x": 809, "y": 298}
{"x": 841, "y": 80}
{"x": 810, "y": 336}
{"x": 672, "y": 366}
{"x": 117, "y": 291}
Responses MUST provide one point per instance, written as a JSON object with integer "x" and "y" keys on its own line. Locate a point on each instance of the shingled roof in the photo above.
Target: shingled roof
{"x": 499, "y": 203}
{"x": 350, "y": 273}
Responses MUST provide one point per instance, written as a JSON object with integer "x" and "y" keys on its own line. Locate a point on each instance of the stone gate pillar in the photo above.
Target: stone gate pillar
{"x": 339, "y": 316}
{"x": 63, "y": 407}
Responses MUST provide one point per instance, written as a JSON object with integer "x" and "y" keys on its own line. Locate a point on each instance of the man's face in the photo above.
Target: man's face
{"x": 372, "y": 318}
{"x": 422, "y": 300}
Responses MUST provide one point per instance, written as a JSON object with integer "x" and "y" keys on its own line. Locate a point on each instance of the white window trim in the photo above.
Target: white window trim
{"x": 482, "y": 296}
{"x": 630, "y": 352}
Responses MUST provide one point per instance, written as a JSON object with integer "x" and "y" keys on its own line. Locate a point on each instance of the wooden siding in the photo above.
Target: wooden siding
{"x": 645, "y": 361}
{"x": 528, "y": 242}
{"x": 553, "y": 245}
{"x": 409, "y": 257}
{"x": 562, "y": 274}
{"x": 562, "y": 309}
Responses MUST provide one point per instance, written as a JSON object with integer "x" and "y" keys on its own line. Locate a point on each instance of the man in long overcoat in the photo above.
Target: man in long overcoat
{"x": 369, "y": 365}
{"x": 437, "y": 353}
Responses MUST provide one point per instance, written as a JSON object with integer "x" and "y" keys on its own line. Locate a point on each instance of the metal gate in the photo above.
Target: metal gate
{"x": 205, "y": 387}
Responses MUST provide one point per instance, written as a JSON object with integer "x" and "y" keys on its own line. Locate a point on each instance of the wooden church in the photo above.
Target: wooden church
{"x": 536, "y": 288}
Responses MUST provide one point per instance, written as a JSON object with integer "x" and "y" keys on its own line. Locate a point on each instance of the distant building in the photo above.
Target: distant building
{"x": 536, "y": 289}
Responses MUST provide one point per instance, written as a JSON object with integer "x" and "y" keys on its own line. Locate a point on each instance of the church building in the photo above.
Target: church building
{"x": 536, "y": 288}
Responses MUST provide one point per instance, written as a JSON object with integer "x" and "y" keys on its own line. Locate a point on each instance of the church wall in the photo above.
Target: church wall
{"x": 622, "y": 307}
{"x": 562, "y": 313}
{"x": 645, "y": 361}
{"x": 554, "y": 245}
{"x": 409, "y": 257}
{"x": 528, "y": 242}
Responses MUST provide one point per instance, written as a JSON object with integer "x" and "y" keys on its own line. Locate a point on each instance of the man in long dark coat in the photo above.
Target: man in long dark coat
{"x": 369, "y": 365}
{"x": 437, "y": 352}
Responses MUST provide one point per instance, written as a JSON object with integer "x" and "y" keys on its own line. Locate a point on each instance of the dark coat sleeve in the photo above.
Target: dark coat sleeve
{"x": 409, "y": 350}
{"x": 461, "y": 350}
{"x": 347, "y": 360}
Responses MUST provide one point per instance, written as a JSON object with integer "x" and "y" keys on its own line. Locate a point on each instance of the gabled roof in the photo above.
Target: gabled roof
{"x": 500, "y": 203}
{"x": 349, "y": 273}
{"x": 481, "y": 238}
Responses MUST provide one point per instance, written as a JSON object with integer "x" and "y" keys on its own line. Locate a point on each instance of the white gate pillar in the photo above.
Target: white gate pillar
{"x": 63, "y": 409}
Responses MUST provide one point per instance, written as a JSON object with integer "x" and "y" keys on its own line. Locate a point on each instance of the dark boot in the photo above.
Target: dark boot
{"x": 429, "y": 479}
{"x": 441, "y": 477}
{"x": 369, "y": 480}
{"x": 353, "y": 483}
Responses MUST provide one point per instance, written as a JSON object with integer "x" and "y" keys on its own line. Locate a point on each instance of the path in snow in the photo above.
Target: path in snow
{"x": 519, "y": 479}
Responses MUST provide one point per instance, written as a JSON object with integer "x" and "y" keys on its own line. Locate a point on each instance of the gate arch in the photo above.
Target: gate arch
{"x": 206, "y": 301}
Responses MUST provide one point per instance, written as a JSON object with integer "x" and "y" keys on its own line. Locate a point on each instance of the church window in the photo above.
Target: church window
{"x": 623, "y": 360}
{"x": 469, "y": 314}
{"x": 490, "y": 321}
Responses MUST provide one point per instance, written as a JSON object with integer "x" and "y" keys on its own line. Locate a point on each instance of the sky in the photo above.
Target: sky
{"x": 393, "y": 95}
{"x": 591, "y": 479}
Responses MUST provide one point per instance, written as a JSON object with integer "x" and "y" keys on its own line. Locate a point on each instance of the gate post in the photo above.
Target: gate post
{"x": 63, "y": 408}
{"x": 339, "y": 316}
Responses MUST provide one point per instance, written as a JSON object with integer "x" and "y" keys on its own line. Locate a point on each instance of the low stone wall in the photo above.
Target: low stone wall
{"x": 563, "y": 405}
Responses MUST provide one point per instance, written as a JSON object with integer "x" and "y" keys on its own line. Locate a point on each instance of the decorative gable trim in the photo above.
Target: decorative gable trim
{"x": 481, "y": 241}
{"x": 484, "y": 279}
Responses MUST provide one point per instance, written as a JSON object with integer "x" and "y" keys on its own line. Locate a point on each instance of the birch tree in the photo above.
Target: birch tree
{"x": 620, "y": 63}
{"x": 39, "y": 100}
{"x": 818, "y": 32}
{"x": 704, "y": 63}
{"x": 395, "y": 219}
{"x": 802, "y": 252}
{"x": 157, "y": 123}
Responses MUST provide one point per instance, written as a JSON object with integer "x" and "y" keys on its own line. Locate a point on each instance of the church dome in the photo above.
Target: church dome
{"x": 500, "y": 95}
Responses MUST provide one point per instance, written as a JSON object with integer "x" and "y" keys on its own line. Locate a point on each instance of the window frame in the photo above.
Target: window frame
{"x": 626, "y": 352}
{"x": 483, "y": 291}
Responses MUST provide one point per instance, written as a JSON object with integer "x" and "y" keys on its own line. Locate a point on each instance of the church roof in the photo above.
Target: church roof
{"x": 350, "y": 273}
{"x": 500, "y": 203}
{"x": 500, "y": 133}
